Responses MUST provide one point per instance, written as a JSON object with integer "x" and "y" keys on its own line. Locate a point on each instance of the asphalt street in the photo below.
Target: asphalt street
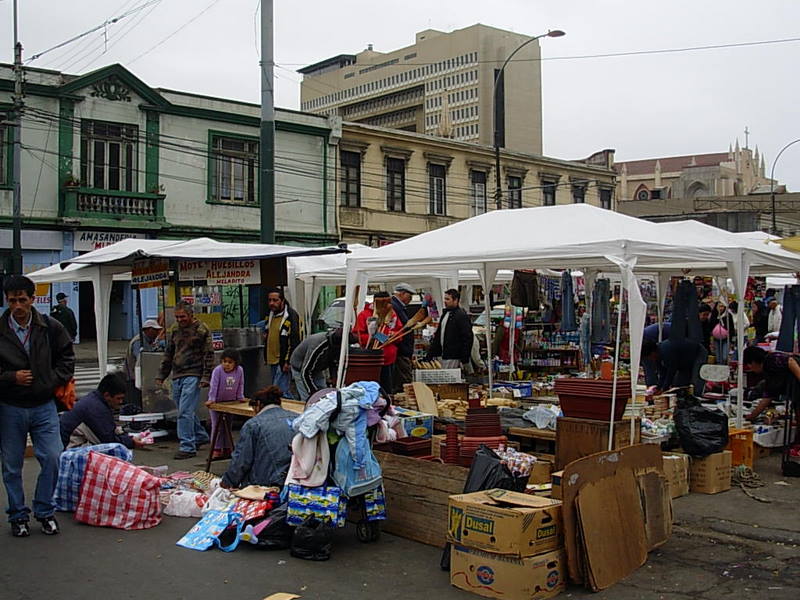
{"x": 723, "y": 545}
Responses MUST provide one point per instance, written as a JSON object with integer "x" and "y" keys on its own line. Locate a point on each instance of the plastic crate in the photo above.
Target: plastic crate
{"x": 437, "y": 375}
{"x": 740, "y": 442}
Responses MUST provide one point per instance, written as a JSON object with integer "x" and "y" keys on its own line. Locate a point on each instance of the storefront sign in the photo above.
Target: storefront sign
{"x": 149, "y": 272}
{"x": 92, "y": 240}
{"x": 221, "y": 272}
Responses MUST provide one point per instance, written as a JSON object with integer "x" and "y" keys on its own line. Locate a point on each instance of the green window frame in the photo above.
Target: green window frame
{"x": 233, "y": 171}
{"x": 6, "y": 154}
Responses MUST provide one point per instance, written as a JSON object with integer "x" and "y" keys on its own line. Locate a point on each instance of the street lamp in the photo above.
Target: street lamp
{"x": 772, "y": 185}
{"x": 498, "y": 193}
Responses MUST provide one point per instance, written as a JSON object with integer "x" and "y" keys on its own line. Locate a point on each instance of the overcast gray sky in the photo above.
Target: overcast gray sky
{"x": 643, "y": 106}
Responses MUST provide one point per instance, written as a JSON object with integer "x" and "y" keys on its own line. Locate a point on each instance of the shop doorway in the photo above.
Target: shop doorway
{"x": 87, "y": 326}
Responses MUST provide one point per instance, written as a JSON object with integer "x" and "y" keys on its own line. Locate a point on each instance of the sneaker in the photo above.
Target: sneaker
{"x": 181, "y": 455}
{"x": 49, "y": 525}
{"x": 20, "y": 529}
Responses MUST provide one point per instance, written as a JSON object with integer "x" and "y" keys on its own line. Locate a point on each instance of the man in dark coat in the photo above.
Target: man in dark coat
{"x": 36, "y": 357}
{"x": 452, "y": 341}
{"x": 64, "y": 315}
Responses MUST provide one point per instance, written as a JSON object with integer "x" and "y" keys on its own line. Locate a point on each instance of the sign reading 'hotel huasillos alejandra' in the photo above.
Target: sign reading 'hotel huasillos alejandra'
{"x": 221, "y": 272}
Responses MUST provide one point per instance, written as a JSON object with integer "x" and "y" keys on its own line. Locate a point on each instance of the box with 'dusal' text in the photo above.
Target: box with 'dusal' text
{"x": 505, "y": 522}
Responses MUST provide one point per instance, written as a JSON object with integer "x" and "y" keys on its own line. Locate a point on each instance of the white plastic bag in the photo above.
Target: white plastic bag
{"x": 184, "y": 503}
{"x": 221, "y": 499}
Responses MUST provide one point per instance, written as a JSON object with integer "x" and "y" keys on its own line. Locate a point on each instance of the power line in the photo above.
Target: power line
{"x": 606, "y": 54}
{"x": 102, "y": 25}
{"x": 178, "y": 30}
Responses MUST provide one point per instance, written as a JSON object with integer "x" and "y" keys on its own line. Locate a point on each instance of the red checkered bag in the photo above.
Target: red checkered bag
{"x": 115, "y": 493}
{"x": 251, "y": 509}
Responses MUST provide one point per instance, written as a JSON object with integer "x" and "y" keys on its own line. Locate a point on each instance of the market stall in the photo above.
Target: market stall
{"x": 577, "y": 237}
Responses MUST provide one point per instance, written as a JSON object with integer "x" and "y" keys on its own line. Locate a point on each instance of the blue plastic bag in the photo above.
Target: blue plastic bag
{"x": 325, "y": 503}
{"x": 207, "y": 531}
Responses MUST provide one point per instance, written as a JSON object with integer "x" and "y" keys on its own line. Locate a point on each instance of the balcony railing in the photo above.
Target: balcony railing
{"x": 112, "y": 204}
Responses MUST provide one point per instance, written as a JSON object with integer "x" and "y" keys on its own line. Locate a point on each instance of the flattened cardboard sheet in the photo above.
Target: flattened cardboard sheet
{"x": 612, "y": 527}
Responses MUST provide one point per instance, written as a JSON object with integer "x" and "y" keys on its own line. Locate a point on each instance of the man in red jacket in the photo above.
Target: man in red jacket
{"x": 371, "y": 335}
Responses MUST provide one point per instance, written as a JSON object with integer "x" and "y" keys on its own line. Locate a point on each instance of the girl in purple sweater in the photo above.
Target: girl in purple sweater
{"x": 227, "y": 385}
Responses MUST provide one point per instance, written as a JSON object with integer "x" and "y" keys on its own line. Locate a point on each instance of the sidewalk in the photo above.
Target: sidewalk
{"x": 86, "y": 351}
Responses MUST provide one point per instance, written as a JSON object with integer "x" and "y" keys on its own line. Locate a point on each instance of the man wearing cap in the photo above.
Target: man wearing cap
{"x": 775, "y": 315}
{"x": 64, "y": 315}
{"x": 403, "y": 293}
{"x": 151, "y": 330}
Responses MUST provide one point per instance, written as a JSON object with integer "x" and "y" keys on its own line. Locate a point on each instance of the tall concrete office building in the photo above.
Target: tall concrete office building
{"x": 442, "y": 85}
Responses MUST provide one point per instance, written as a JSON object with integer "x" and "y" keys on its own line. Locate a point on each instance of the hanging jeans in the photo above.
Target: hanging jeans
{"x": 791, "y": 319}
{"x": 685, "y": 314}
{"x": 601, "y": 311}
{"x": 722, "y": 350}
{"x": 567, "y": 303}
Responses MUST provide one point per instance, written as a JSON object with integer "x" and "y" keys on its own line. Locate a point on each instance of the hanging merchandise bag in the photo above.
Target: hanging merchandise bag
{"x": 117, "y": 494}
{"x": 355, "y": 481}
{"x": 312, "y": 540}
{"x": 72, "y": 466}
{"x": 217, "y": 527}
{"x": 701, "y": 431}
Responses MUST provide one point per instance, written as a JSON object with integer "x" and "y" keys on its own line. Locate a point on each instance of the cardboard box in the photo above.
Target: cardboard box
{"x": 577, "y": 438}
{"x": 676, "y": 470}
{"x": 496, "y": 576}
{"x": 540, "y": 473}
{"x": 555, "y": 479}
{"x": 712, "y": 474}
{"x": 416, "y": 423}
{"x": 505, "y": 522}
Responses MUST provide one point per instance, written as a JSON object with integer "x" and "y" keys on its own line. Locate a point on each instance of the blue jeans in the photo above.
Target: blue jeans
{"x": 302, "y": 390}
{"x": 186, "y": 395}
{"x": 42, "y": 424}
{"x": 722, "y": 350}
{"x": 281, "y": 379}
{"x": 791, "y": 319}
{"x": 601, "y": 311}
{"x": 568, "y": 322}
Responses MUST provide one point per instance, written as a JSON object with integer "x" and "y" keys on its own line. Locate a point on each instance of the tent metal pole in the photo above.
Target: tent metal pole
{"x": 616, "y": 367}
{"x": 487, "y": 305}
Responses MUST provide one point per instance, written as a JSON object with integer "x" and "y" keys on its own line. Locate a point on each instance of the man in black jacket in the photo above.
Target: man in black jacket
{"x": 281, "y": 337}
{"x": 403, "y": 293}
{"x": 453, "y": 339}
{"x": 64, "y": 315}
{"x": 36, "y": 357}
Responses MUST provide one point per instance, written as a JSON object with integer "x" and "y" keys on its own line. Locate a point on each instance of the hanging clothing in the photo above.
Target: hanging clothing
{"x": 685, "y": 314}
{"x": 790, "y": 319}
{"x": 568, "y": 322}
{"x": 525, "y": 289}
{"x": 601, "y": 312}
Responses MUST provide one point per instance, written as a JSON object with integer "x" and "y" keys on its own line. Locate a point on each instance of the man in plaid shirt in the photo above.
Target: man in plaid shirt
{"x": 190, "y": 358}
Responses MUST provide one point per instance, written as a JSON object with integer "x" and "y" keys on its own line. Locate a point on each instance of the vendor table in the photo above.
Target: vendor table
{"x": 240, "y": 409}
{"x": 529, "y": 436}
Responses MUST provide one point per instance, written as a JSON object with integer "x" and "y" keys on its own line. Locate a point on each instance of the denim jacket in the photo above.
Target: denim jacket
{"x": 263, "y": 452}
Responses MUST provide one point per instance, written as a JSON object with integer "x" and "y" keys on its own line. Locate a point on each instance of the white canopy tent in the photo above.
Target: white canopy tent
{"x": 104, "y": 265}
{"x": 575, "y": 236}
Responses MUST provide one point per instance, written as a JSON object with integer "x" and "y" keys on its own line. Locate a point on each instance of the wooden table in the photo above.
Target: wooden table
{"x": 532, "y": 435}
{"x": 241, "y": 409}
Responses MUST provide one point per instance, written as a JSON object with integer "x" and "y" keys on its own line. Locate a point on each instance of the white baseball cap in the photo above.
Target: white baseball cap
{"x": 151, "y": 323}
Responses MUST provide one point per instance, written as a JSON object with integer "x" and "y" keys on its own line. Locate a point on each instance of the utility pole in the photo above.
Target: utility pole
{"x": 16, "y": 254}
{"x": 267, "y": 138}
